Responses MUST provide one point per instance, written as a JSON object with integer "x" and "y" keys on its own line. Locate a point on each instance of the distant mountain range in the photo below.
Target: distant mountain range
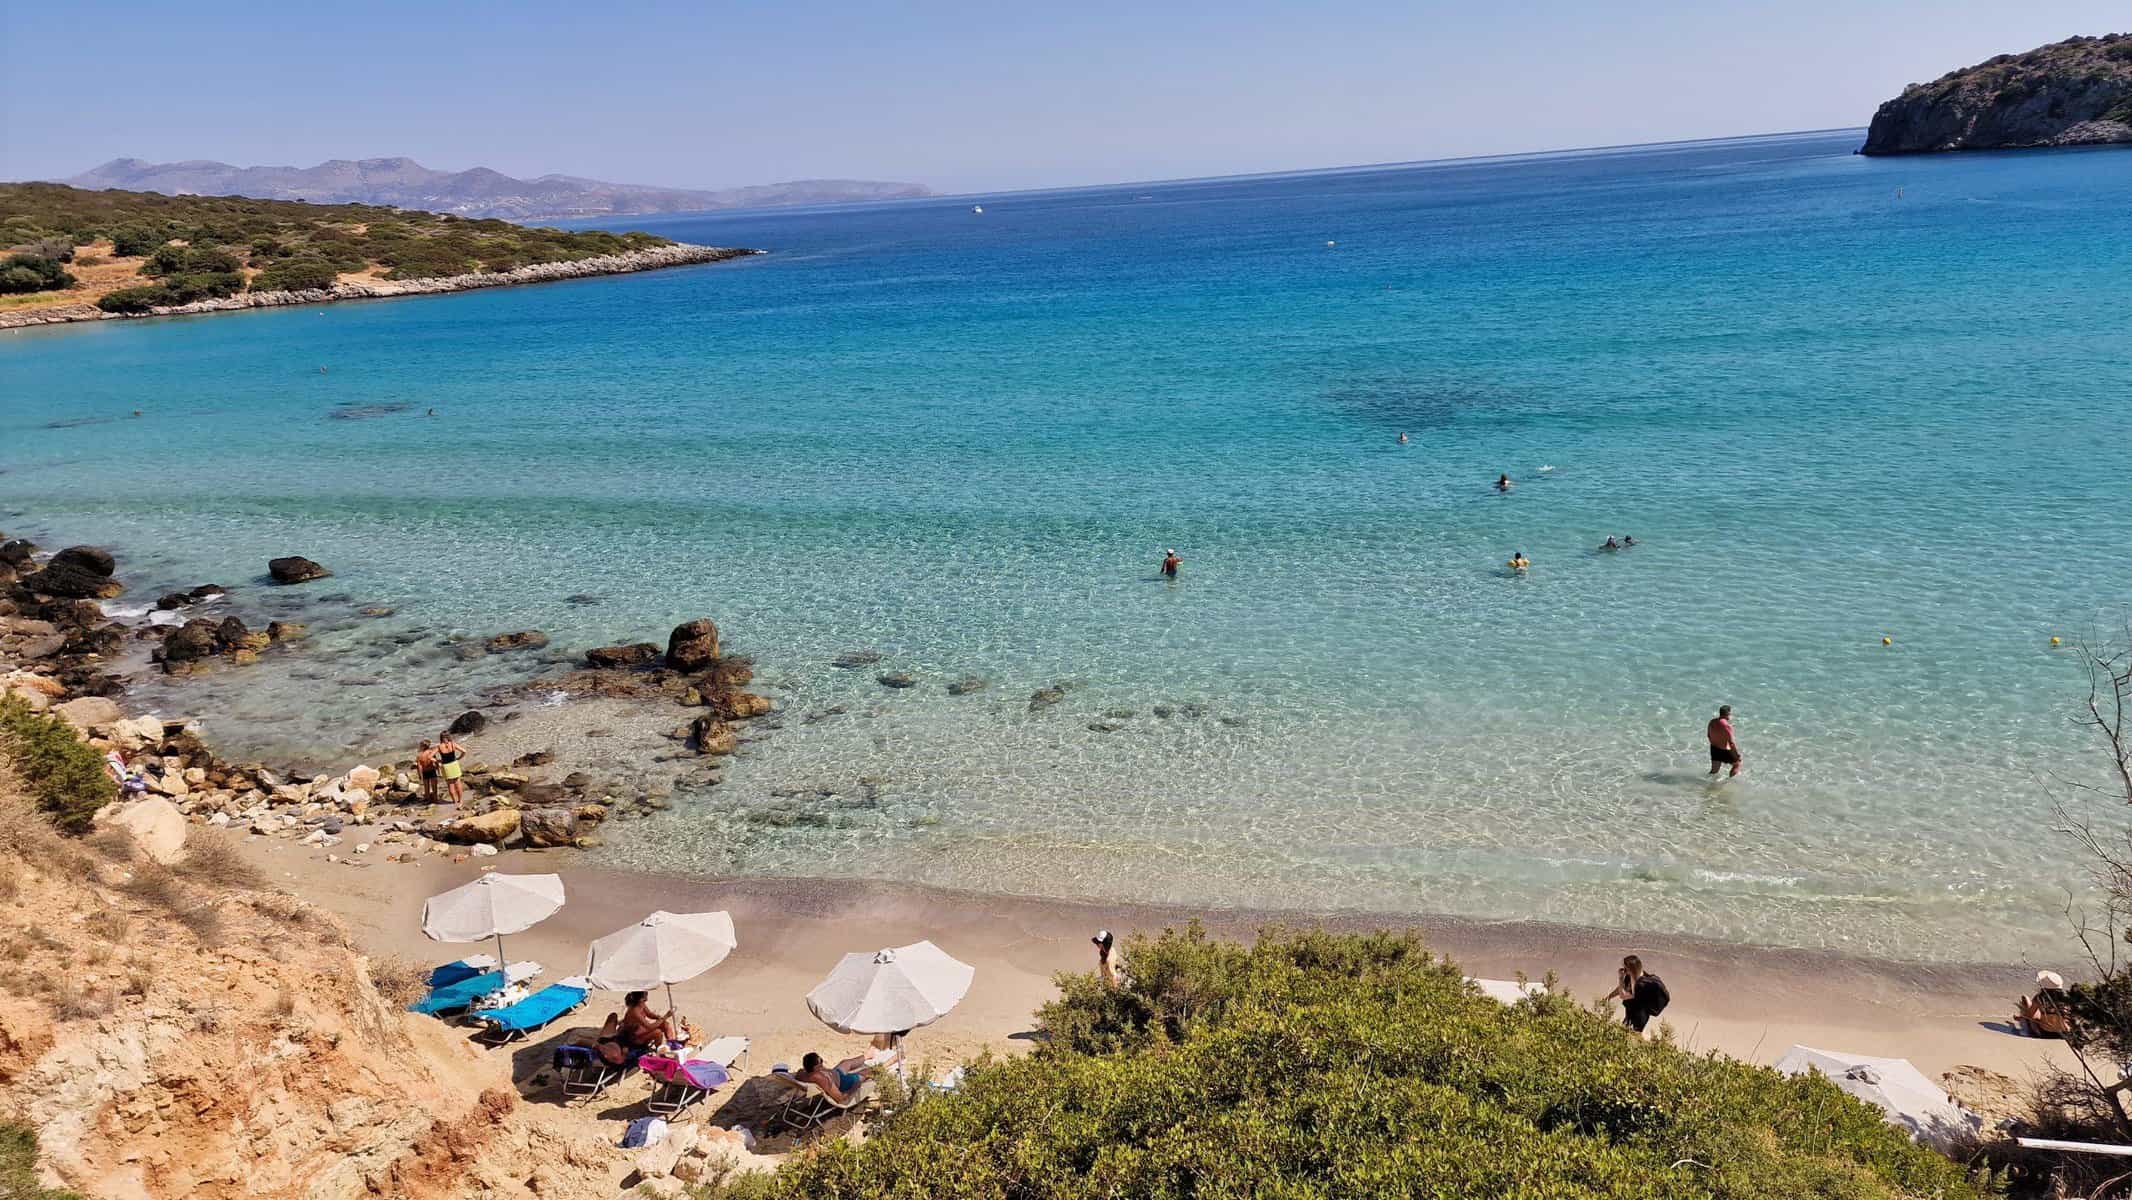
{"x": 480, "y": 192}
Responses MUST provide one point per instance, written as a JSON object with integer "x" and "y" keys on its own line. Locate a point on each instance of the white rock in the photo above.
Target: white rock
{"x": 156, "y": 826}
{"x": 172, "y": 784}
{"x": 218, "y": 819}
{"x": 483, "y": 849}
{"x": 364, "y": 778}
{"x": 362, "y": 847}
{"x": 138, "y": 732}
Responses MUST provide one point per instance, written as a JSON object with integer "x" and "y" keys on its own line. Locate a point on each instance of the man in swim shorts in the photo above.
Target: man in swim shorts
{"x": 1170, "y": 563}
{"x": 1723, "y": 749}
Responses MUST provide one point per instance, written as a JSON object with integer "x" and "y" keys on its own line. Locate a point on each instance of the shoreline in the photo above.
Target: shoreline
{"x": 679, "y": 254}
{"x": 1750, "y": 1002}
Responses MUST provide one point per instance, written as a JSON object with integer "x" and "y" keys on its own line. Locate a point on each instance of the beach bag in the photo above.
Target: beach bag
{"x": 1651, "y": 994}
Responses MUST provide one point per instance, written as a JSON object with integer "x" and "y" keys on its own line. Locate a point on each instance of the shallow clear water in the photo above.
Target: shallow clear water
{"x": 1833, "y": 398}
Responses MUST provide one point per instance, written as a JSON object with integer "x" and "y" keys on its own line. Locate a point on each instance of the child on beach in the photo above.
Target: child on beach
{"x": 426, "y": 766}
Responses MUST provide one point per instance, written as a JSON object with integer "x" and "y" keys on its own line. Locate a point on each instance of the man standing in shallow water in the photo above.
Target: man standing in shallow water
{"x": 1723, "y": 749}
{"x": 1170, "y": 563}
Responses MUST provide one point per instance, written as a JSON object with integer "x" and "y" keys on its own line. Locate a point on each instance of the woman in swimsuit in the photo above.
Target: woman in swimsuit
{"x": 449, "y": 753}
{"x": 426, "y": 767}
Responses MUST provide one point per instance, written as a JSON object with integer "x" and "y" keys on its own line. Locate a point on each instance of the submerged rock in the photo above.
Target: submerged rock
{"x": 968, "y": 684}
{"x": 853, "y": 659}
{"x": 636, "y": 654}
{"x": 524, "y": 639}
{"x": 897, "y": 679}
{"x": 470, "y": 721}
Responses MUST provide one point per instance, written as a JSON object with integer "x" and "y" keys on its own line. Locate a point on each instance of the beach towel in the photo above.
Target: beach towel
{"x": 695, "y": 1073}
{"x": 644, "y": 1131}
{"x": 535, "y": 1010}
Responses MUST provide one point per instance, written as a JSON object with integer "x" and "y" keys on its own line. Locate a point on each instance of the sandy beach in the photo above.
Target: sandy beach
{"x": 1748, "y": 1002}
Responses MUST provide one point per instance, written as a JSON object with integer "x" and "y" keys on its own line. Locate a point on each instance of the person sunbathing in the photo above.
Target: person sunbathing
{"x": 2048, "y": 1013}
{"x": 836, "y": 1083}
{"x": 630, "y": 1034}
{"x": 884, "y": 1053}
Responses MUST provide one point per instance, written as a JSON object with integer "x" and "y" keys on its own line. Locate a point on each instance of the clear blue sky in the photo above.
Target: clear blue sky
{"x": 963, "y": 97}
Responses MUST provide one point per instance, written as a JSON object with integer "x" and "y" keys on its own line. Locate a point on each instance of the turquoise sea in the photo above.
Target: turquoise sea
{"x": 1834, "y": 399}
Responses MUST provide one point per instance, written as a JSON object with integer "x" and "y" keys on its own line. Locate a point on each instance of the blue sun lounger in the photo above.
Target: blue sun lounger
{"x": 512, "y": 1022}
{"x": 462, "y": 994}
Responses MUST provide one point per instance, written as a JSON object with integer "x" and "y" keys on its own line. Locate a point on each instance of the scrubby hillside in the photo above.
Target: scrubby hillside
{"x": 182, "y": 1032}
{"x": 2070, "y": 93}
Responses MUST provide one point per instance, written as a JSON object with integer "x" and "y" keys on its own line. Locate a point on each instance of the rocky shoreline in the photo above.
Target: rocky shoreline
{"x": 58, "y": 651}
{"x": 677, "y": 255}
{"x": 2077, "y": 92}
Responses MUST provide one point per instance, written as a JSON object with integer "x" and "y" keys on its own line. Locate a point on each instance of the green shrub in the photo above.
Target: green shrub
{"x": 134, "y": 240}
{"x": 189, "y": 260}
{"x": 32, "y": 273}
{"x": 64, "y": 774}
{"x": 18, "y": 1166}
{"x": 295, "y": 275}
{"x": 134, "y": 299}
{"x": 1315, "y": 1065}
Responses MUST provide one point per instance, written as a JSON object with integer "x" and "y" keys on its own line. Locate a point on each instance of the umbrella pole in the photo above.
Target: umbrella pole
{"x": 502, "y": 964}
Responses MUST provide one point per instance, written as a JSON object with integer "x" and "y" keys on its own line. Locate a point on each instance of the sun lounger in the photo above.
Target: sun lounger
{"x": 585, "y": 1074}
{"x": 806, "y": 1108}
{"x": 514, "y": 1021}
{"x": 459, "y": 996}
{"x": 465, "y": 968}
{"x": 680, "y": 1083}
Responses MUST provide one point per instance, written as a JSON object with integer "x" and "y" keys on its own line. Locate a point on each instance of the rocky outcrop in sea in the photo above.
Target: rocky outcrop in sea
{"x": 2077, "y": 92}
{"x": 676, "y": 255}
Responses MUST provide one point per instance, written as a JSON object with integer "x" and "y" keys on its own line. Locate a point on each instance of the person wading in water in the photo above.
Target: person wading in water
{"x": 1170, "y": 563}
{"x": 1723, "y": 749}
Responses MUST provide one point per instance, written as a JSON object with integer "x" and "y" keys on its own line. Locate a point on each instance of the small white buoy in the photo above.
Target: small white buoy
{"x": 1332, "y": 243}
{"x": 979, "y": 209}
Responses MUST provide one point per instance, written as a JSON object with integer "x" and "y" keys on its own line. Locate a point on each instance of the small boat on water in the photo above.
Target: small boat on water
{"x": 979, "y": 209}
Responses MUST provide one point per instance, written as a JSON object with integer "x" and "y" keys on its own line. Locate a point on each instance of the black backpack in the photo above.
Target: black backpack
{"x": 1651, "y": 994}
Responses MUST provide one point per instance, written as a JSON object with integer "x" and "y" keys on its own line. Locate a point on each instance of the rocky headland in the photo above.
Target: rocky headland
{"x": 655, "y": 258}
{"x": 2077, "y": 92}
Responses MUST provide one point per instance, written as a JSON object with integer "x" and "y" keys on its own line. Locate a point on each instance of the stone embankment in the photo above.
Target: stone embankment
{"x": 677, "y": 255}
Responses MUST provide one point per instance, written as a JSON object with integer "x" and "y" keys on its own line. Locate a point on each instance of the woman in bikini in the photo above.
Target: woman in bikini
{"x": 449, "y": 752}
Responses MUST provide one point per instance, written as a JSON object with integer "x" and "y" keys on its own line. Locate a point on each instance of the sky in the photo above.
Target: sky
{"x": 961, "y": 97}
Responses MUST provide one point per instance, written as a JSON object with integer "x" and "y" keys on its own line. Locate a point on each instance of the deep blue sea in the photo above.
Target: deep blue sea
{"x": 1834, "y": 399}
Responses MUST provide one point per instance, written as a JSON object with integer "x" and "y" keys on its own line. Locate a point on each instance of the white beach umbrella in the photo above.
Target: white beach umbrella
{"x": 888, "y": 991}
{"x": 664, "y": 947}
{"x": 490, "y": 907}
{"x": 1896, "y": 1086}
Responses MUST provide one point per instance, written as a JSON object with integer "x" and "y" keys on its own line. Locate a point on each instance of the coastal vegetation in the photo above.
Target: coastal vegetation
{"x": 1313, "y": 1064}
{"x": 155, "y": 250}
{"x": 18, "y": 1166}
{"x": 63, "y": 774}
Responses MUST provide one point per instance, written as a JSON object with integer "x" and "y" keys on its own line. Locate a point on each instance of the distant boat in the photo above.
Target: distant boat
{"x": 979, "y": 209}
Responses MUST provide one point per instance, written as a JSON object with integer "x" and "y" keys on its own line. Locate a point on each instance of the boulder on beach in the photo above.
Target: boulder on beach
{"x": 524, "y": 639}
{"x": 75, "y": 573}
{"x": 692, "y": 646}
{"x": 492, "y": 828}
{"x": 470, "y": 721}
{"x": 548, "y": 826}
{"x": 712, "y": 736}
{"x": 88, "y": 712}
{"x": 132, "y": 735}
{"x": 86, "y": 558}
{"x": 636, "y": 654}
{"x": 155, "y": 825}
{"x": 17, "y": 552}
{"x": 295, "y": 568}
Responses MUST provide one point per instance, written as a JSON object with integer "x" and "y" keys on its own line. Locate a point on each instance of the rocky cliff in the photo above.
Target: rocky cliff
{"x": 2077, "y": 92}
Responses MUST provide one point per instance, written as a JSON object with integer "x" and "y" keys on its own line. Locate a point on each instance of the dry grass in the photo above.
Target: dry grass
{"x": 138, "y": 980}
{"x": 216, "y": 863}
{"x": 70, "y": 1002}
{"x": 109, "y": 924}
{"x": 10, "y": 881}
{"x": 400, "y": 982}
{"x": 160, "y": 887}
{"x": 113, "y": 843}
{"x": 285, "y": 1002}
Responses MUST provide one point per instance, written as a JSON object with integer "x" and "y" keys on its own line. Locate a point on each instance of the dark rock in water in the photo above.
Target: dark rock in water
{"x": 577, "y": 780}
{"x": 581, "y": 600}
{"x": 295, "y": 569}
{"x": 1119, "y": 714}
{"x": 79, "y": 573}
{"x": 693, "y": 646}
{"x": 1194, "y": 709}
{"x": 2077, "y": 92}
{"x": 206, "y": 590}
{"x": 1044, "y": 697}
{"x": 375, "y": 610}
{"x": 968, "y": 684}
{"x": 712, "y": 736}
{"x": 1104, "y": 727}
{"x": 17, "y": 552}
{"x": 897, "y": 679}
{"x": 173, "y": 600}
{"x": 85, "y": 558}
{"x": 284, "y": 631}
{"x": 524, "y": 639}
{"x": 634, "y": 655}
{"x": 853, "y": 659}
{"x": 191, "y": 642}
{"x": 537, "y": 758}
{"x": 731, "y": 671}
{"x": 469, "y": 721}
{"x": 1233, "y": 722}
{"x": 469, "y": 651}
{"x": 231, "y": 632}
{"x": 336, "y": 597}
{"x": 739, "y": 706}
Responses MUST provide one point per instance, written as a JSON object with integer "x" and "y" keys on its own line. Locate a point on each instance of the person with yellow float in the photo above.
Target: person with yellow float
{"x": 1518, "y": 562}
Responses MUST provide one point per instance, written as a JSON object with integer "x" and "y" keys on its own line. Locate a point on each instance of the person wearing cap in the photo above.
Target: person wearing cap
{"x": 1170, "y": 563}
{"x": 2048, "y": 1013}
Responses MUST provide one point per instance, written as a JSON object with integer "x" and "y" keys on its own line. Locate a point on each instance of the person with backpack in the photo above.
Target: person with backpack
{"x": 1642, "y": 994}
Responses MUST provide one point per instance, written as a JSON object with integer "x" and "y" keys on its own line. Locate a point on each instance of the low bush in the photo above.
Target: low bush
{"x": 1314, "y": 1065}
{"x": 18, "y": 1166}
{"x": 214, "y": 862}
{"x": 64, "y": 775}
{"x": 32, "y": 273}
{"x": 134, "y": 299}
{"x": 173, "y": 260}
{"x": 295, "y": 275}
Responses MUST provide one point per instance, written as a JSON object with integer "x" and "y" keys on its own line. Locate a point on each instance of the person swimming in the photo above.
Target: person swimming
{"x": 1610, "y": 543}
{"x": 1518, "y": 561}
{"x": 1502, "y": 482}
{"x": 1170, "y": 563}
{"x": 1402, "y": 437}
{"x": 1627, "y": 541}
